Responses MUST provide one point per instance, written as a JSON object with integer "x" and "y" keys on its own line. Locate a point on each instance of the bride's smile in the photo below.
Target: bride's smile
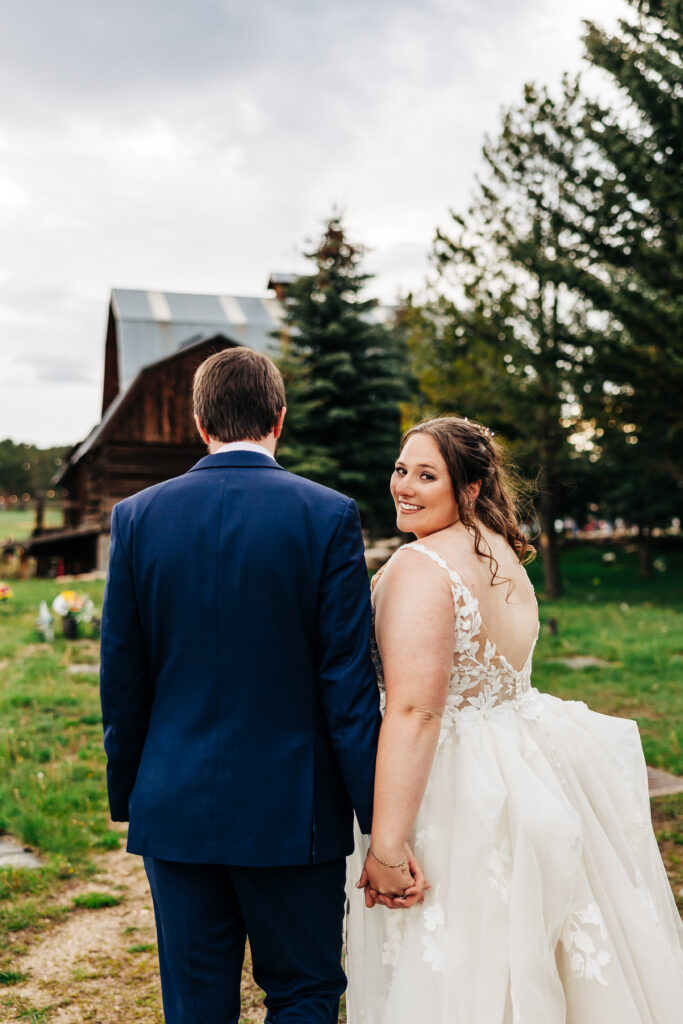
{"x": 421, "y": 488}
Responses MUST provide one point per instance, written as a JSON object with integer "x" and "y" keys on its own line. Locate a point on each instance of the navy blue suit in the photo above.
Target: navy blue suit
{"x": 240, "y": 714}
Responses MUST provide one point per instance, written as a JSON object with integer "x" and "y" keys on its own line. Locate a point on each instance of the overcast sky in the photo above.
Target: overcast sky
{"x": 196, "y": 146}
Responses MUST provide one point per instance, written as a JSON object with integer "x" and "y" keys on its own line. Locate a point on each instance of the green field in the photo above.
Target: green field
{"x": 609, "y": 613}
{"x": 52, "y": 792}
{"x": 52, "y": 783}
{"x": 18, "y": 524}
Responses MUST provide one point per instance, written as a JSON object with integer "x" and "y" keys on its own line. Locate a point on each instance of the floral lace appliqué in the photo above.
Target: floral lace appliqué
{"x": 499, "y": 863}
{"x": 578, "y": 937}
{"x": 432, "y": 954}
{"x": 395, "y": 928}
{"x": 434, "y": 919}
{"x": 434, "y": 916}
{"x": 481, "y": 678}
{"x": 646, "y": 897}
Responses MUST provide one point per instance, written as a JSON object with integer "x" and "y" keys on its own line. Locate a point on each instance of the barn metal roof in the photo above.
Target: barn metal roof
{"x": 152, "y": 325}
{"x": 95, "y": 435}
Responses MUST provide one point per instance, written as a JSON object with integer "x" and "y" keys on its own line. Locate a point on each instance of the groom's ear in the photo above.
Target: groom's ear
{"x": 277, "y": 429}
{"x": 202, "y": 433}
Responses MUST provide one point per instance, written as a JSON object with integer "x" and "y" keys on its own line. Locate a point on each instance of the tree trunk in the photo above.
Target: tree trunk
{"x": 40, "y": 515}
{"x": 645, "y": 552}
{"x": 548, "y": 541}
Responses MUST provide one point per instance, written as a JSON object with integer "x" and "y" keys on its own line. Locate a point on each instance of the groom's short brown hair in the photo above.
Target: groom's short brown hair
{"x": 238, "y": 394}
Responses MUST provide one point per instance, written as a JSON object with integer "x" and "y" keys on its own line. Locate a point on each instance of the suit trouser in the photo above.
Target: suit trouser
{"x": 292, "y": 917}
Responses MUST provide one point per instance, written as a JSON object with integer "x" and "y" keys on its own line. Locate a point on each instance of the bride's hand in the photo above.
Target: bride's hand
{"x": 395, "y": 888}
{"x": 420, "y": 884}
{"x": 383, "y": 885}
{"x": 415, "y": 891}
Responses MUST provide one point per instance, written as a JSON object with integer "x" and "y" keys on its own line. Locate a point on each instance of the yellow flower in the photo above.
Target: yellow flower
{"x": 73, "y": 601}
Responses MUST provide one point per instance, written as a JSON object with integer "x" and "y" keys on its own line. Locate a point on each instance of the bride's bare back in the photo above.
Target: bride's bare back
{"x": 434, "y": 646}
{"x": 507, "y": 605}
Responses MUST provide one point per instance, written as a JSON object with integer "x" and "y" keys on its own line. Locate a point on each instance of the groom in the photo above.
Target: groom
{"x": 240, "y": 708}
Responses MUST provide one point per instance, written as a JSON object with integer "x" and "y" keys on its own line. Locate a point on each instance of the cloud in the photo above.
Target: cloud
{"x": 50, "y": 367}
{"x": 197, "y": 146}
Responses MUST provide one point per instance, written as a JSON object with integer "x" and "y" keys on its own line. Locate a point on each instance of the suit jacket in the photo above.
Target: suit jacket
{"x": 239, "y": 701}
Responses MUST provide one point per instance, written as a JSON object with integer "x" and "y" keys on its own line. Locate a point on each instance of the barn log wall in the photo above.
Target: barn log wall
{"x": 159, "y": 408}
{"x": 151, "y": 438}
{"x": 130, "y": 468}
{"x": 115, "y": 471}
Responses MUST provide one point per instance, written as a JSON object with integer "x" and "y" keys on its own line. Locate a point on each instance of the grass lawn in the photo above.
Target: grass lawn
{"x": 52, "y": 783}
{"x": 608, "y": 612}
{"x": 52, "y": 790}
{"x": 18, "y": 523}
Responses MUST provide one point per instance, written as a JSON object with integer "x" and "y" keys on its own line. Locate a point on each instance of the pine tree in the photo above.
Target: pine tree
{"x": 623, "y": 227}
{"x": 346, "y": 375}
{"x": 27, "y": 469}
{"x": 570, "y": 262}
{"x": 513, "y": 346}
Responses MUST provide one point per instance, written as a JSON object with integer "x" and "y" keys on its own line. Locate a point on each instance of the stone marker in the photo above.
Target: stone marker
{"x": 14, "y": 855}
{"x": 662, "y": 783}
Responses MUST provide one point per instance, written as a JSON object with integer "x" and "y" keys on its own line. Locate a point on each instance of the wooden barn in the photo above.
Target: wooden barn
{"x": 154, "y": 343}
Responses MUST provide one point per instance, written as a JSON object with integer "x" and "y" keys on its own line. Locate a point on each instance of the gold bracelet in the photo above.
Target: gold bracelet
{"x": 402, "y": 864}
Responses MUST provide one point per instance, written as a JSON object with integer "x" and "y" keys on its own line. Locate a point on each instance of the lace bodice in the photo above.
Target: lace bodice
{"x": 481, "y": 677}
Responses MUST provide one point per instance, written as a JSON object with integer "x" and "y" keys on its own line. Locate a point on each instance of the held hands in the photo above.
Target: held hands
{"x": 393, "y": 887}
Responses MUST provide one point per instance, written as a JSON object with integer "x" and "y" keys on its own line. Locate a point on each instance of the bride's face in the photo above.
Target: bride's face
{"x": 421, "y": 488}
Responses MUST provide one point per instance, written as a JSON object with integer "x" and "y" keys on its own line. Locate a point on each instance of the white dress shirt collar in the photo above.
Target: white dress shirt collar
{"x": 245, "y": 446}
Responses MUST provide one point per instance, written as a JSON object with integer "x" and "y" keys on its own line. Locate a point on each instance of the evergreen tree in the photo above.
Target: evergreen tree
{"x": 512, "y": 345}
{"x": 570, "y": 264}
{"x": 346, "y": 376}
{"x": 622, "y": 224}
{"x": 25, "y": 469}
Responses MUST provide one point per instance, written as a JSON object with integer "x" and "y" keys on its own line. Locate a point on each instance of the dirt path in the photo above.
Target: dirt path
{"x": 99, "y": 965}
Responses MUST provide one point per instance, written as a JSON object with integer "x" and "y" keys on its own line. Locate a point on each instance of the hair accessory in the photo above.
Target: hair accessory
{"x": 487, "y": 433}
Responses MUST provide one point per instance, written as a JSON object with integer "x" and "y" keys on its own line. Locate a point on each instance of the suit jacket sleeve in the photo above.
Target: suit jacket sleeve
{"x": 347, "y": 677}
{"x": 125, "y": 683}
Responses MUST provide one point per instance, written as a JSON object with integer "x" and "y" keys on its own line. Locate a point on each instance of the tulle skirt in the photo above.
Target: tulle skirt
{"x": 549, "y": 903}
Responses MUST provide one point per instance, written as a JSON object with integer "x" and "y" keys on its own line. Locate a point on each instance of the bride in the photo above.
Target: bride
{"x": 548, "y": 901}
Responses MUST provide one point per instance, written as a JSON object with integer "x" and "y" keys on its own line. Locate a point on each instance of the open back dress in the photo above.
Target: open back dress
{"x": 549, "y": 902}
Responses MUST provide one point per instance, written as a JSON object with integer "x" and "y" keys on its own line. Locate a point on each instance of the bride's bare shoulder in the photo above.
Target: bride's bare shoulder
{"x": 413, "y": 604}
{"x": 453, "y": 547}
{"x": 408, "y": 574}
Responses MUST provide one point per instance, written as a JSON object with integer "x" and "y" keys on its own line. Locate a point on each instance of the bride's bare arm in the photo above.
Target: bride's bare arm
{"x": 414, "y": 624}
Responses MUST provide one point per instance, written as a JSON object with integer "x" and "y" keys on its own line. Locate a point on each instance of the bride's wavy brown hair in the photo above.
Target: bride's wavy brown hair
{"x": 471, "y": 453}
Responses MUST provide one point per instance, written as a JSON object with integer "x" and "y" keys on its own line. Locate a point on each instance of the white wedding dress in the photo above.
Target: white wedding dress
{"x": 550, "y": 903}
